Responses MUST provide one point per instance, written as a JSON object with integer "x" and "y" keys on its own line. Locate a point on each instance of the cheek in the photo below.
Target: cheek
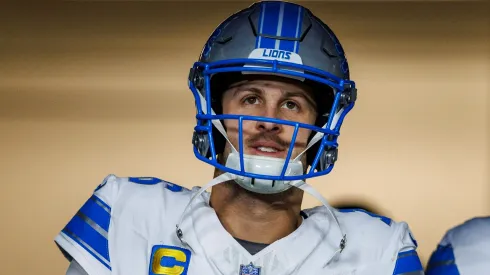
{"x": 302, "y": 138}
{"x": 231, "y": 126}
{"x": 303, "y": 133}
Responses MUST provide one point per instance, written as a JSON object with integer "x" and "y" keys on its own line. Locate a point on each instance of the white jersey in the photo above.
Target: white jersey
{"x": 464, "y": 250}
{"x": 128, "y": 227}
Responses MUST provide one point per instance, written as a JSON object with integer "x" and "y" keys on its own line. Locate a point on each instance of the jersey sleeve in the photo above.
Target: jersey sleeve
{"x": 464, "y": 249}
{"x": 407, "y": 258}
{"x": 86, "y": 236}
{"x": 442, "y": 261}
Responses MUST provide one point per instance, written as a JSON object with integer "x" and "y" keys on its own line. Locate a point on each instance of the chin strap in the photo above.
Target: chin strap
{"x": 297, "y": 183}
{"x": 313, "y": 192}
{"x": 221, "y": 178}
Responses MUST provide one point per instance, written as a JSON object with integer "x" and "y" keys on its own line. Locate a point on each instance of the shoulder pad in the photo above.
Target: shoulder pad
{"x": 465, "y": 243}
{"x": 395, "y": 239}
{"x": 384, "y": 219}
{"x": 144, "y": 180}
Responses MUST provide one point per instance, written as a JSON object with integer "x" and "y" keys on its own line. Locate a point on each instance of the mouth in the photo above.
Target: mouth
{"x": 269, "y": 149}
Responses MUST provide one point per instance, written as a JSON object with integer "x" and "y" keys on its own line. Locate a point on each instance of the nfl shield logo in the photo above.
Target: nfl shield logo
{"x": 249, "y": 269}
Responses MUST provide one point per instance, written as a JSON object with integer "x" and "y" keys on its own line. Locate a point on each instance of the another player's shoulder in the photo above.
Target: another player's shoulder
{"x": 470, "y": 231}
{"x": 463, "y": 249}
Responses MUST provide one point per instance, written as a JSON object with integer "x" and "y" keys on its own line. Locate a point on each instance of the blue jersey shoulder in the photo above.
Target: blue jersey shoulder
{"x": 384, "y": 219}
{"x": 89, "y": 227}
{"x": 152, "y": 181}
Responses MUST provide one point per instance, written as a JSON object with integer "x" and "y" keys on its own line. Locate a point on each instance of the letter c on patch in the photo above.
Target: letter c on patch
{"x": 169, "y": 260}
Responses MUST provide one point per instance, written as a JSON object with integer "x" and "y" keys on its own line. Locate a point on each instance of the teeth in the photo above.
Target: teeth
{"x": 266, "y": 149}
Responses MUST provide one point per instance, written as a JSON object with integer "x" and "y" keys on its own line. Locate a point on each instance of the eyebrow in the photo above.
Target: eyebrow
{"x": 243, "y": 88}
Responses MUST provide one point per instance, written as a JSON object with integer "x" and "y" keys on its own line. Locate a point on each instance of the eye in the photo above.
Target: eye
{"x": 291, "y": 105}
{"x": 251, "y": 100}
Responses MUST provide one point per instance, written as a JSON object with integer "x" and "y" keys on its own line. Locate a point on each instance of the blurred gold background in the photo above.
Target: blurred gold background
{"x": 92, "y": 88}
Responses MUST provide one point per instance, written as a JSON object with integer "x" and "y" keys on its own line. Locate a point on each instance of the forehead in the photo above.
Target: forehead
{"x": 271, "y": 82}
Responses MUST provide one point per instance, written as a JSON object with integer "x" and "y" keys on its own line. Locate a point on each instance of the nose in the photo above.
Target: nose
{"x": 268, "y": 126}
{"x": 263, "y": 126}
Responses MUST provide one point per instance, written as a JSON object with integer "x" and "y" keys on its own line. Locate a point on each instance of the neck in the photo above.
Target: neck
{"x": 256, "y": 217}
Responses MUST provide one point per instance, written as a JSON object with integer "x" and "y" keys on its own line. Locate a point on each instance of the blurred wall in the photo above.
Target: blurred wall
{"x": 92, "y": 88}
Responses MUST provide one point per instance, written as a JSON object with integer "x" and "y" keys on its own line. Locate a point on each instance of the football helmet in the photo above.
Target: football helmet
{"x": 281, "y": 39}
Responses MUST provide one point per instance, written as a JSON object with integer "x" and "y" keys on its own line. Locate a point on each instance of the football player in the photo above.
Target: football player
{"x": 464, "y": 250}
{"x": 271, "y": 89}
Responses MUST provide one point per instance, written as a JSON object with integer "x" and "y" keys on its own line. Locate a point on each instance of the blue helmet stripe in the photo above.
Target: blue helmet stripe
{"x": 299, "y": 25}
{"x": 279, "y": 19}
{"x": 268, "y": 24}
{"x": 258, "y": 39}
{"x": 291, "y": 27}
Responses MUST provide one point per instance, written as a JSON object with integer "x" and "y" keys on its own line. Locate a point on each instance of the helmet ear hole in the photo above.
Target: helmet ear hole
{"x": 201, "y": 141}
{"x": 327, "y": 157}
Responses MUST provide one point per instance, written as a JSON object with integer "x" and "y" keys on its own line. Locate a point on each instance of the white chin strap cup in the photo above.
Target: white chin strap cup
{"x": 264, "y": 166}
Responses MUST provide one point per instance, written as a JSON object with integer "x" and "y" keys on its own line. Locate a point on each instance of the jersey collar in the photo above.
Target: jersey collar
{"x": 206, "y": 235}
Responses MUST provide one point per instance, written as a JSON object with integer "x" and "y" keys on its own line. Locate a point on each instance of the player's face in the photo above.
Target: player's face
{"x": 273, "y": 99}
